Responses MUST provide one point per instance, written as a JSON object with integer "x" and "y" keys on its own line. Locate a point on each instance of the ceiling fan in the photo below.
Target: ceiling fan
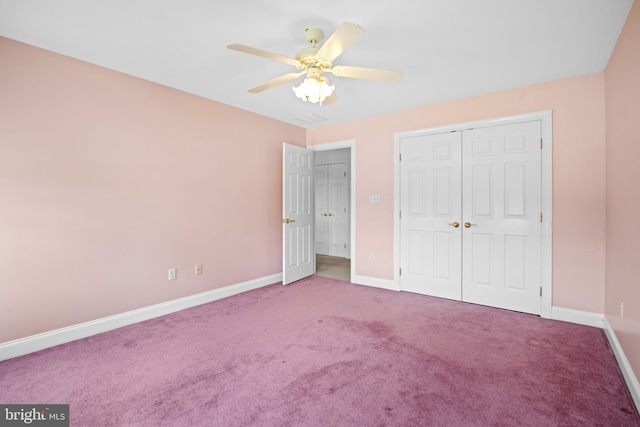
{"x": 313, "y": 61}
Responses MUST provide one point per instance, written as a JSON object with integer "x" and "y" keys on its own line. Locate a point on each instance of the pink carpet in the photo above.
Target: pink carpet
{"x": 323, "y": 352}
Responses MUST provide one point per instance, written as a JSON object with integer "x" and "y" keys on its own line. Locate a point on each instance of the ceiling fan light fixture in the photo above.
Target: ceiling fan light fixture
{"x": 314, "y": 89}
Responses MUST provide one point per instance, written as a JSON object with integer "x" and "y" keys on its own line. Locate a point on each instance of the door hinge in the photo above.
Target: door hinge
{"x": 401, "y": 271}
{"x": 400, "y": 214}
{"x": 400, "y": 156}
{"x": 345, "y": 174}
{"x": 541, "y": 143}
{"x": 540, "y": 290}
{"x": 345, "y": 246}
{"x": 540, "y": 216}
{"x": 345, "y": 210}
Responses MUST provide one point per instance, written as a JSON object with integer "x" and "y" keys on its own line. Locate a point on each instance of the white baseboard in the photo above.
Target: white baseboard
{"x": 376, "y": 283}
{"x": 48, "y": 339}
{"x": 599, "y": 321}
{"x": 627, "y": 372}
{"x": 576, "y": 316}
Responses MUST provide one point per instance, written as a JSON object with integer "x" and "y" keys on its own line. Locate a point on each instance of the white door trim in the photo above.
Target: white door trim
{"x": 545, "y": 118}
{"x": 349, "y": 143}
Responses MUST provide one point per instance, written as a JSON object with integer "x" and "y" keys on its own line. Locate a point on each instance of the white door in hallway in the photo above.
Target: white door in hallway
{"x": 332, "y": 203}
{"x": 297, "y": 215}
{"x": 430, "y": 205}
{"x": 470, "y": 228}
{"x": 321, "y": 219}
{"x": 501, "y": 239}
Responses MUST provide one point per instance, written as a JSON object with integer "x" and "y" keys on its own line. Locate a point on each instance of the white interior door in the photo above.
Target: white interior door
{"x": 501, "y": 217}
{"x": 430, "y": 204}
{"x": 322, "y": 220}
{"x": 331, "y": 212}
{"x": 297, "y": 213}
{"x": 470, "y": 206}
{"x": 337, "y": 203}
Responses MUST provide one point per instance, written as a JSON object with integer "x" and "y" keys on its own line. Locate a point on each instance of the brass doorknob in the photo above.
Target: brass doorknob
{"x": 455, "y": 224}
{"x": 287, "y": 220}
{"x": 468, "y": 224}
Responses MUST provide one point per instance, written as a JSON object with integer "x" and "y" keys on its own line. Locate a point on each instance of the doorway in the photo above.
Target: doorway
{"x": 331, "y": 181}
{"x": 334, "y": 182}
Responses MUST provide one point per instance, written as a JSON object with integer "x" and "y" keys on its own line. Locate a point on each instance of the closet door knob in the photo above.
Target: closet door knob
{"x": 468, "y": 224}
{"x": 455, "y": 224}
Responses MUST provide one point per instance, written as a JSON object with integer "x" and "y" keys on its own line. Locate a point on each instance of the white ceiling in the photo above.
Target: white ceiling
{"x": 446, "y": 49}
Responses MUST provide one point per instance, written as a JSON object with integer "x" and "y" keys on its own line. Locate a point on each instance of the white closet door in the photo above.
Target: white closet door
{"x": 332, "y": 203}
{"x": 321, "y": 218}
{"x": 430, "y": 205}
{"x": 501, "y": 224}
{"x": 337, "y": 202}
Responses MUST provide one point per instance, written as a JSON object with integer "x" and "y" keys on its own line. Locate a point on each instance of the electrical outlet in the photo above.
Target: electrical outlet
{"x": 173, "y": 273}
{"x": 621, "y": 309}
{"x": 198, "y": 269}
{"x": 372, "y": 257}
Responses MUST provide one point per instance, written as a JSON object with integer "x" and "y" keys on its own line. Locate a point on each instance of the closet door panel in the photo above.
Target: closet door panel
{"x": 430, "y": 204}
{"x": 501, "y": 169}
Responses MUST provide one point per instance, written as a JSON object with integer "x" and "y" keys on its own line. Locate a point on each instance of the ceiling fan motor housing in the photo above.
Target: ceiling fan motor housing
{"x": 308, "y": 57}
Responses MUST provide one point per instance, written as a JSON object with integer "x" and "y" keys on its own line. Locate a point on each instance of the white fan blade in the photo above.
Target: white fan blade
{"x": 331, "y": 99}
{"x": 366, "y": 73}
{"x": 343, "y": 37}
{"x": 274, "y": 82}
{"x": 264, "y": 54}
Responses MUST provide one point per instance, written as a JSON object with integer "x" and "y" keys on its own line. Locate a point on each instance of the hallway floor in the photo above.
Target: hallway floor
{"x": 333, "y": 267}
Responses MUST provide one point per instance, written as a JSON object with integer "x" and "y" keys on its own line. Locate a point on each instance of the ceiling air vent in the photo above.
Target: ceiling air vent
{"x": 311, "y": 118}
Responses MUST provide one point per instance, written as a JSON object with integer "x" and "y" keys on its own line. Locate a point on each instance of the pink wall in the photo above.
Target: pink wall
{"x": 578, "y": 177}
{"x": 107, "y": 181}
{"x": 622, "y": 83}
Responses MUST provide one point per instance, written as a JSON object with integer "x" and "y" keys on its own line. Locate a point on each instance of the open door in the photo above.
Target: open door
{"x": 298, "y": 257}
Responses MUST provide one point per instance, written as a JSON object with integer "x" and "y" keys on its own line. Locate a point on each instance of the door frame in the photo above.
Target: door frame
{"x": 545, "y": 118}
{"x": 351, "y": 144}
